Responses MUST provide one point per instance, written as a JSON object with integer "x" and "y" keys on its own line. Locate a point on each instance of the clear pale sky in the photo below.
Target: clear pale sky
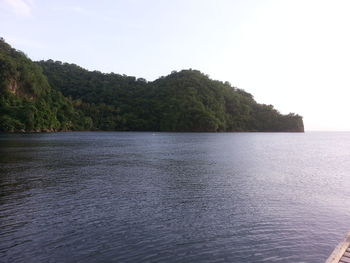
{"x": 293, "y": 54}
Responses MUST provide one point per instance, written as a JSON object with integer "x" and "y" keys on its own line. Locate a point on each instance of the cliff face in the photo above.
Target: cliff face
{"x": 13, "y": 87}
{"x": 55, "y": 96}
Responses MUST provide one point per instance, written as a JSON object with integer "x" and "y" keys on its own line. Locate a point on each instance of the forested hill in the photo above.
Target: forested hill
{"x": 54, "y": 96}
{"x": 27, "y": 101}
{"x": 182, "y": 101}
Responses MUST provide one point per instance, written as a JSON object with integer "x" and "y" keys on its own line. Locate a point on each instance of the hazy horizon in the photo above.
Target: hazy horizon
{"x": 291, "y": 54}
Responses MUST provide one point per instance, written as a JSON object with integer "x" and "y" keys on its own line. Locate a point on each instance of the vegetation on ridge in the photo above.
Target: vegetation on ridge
{"x": 54, "y": 96}
{"x": 27, "y": 101}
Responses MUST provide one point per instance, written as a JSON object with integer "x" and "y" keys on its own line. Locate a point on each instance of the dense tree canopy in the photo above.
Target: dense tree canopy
{"x": 51, "y": 95}
{"x": 27, "y": 101}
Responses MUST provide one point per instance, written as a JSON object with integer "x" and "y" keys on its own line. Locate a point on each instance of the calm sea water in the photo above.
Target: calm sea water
{"x": 173, "y": 197}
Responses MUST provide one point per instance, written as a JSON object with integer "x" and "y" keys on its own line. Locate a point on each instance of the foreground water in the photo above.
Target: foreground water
{"x": 167, "y": 197}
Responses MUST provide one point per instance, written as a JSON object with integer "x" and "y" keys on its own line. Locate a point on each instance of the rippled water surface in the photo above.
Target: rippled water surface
{"x": 173, "y": 197}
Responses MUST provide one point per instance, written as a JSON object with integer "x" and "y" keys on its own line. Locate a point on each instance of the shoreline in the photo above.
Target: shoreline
{"x": 45, "y": 131}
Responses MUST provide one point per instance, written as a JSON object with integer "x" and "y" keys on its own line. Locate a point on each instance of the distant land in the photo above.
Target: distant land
{"x": 48, "y": 96}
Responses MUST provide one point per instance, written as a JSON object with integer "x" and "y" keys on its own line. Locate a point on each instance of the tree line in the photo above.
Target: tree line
{"x": 55, "y": 96}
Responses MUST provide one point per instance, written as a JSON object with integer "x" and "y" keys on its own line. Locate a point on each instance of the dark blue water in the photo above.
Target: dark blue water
{"x": 167, "y": 197}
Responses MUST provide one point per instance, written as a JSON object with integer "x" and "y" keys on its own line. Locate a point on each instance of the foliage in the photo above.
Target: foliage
{"x": 27, "y": 101}
{"x": 182, "y": 101}
{"x": 52, "y": 96}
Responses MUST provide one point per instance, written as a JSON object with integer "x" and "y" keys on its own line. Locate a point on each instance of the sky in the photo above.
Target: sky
{"x": 293, "y": 54}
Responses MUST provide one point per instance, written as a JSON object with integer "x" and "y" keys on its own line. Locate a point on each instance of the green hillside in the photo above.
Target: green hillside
{"x": 27, "y": 101}
{"x": 55, "y": 96}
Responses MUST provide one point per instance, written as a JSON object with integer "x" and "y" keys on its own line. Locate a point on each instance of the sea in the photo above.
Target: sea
{"x": 173, "y": 197}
